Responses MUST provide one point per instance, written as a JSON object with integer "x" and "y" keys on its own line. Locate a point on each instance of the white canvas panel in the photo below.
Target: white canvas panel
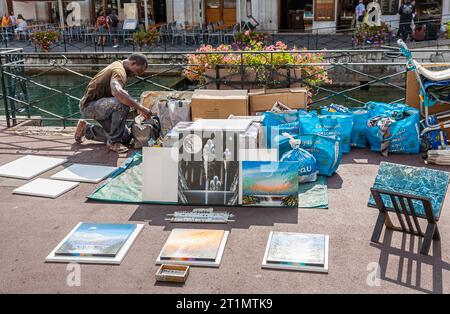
{"x": 94, "y": 259}
{"x": 160, "y": 175}
{"x": 29, "y": 166}
{"x": 258, "y": 154}
{"x": 231, "y": 125}
{"x": 84, "y": 173}
{"x": 46, "y": 188}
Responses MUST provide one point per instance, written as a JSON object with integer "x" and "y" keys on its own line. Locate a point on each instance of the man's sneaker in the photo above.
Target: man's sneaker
{"x": 118, "y": 148}
{"x": 116, "y": 46}
{"x": 80, "y": 131}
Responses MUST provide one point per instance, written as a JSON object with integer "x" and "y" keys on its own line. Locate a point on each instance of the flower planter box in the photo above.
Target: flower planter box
{"x": 230, "y": 80}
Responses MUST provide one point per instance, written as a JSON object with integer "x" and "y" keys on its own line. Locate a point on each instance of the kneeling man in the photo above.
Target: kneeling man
{"x": 107, "y": 102}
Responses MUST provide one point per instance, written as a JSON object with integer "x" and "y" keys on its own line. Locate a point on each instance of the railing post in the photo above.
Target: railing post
{"x": 5, "y": 96}
{"x": 317, "y": 39}
{"x": 217, "y": 76}
{"x": 64, "y": 40}
{"x": 242, "y": 71}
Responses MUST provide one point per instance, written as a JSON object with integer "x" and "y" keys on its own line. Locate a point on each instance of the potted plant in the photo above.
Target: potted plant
{"x": 140, "y": 38}
{"x": 45, "y": 39}
{"x": 366, "y": 35}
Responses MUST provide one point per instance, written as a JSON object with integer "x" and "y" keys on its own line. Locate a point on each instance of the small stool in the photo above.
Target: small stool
{"x": 404, "y": 209}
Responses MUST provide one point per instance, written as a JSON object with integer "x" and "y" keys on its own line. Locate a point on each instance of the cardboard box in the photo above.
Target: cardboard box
{"x": 150, "y": 99}
{"x": 218, "y": 104}
{"x": 264, "y": 99}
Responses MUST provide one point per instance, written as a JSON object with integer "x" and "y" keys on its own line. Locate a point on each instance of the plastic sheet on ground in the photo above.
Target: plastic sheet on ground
{"x": 313, "y": 194}
{"x": 125, "y": 186}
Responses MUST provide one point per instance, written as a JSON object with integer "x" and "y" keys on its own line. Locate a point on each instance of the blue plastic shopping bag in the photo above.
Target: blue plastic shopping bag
{"x": 278, "y": 118}
{"x": 326, "y": 150}
{"x": 387, "y": 135}
{"x": 307, "y": 171}
{"x": 329, "y": 125}
{"x": 395, "y": 110}
{"x": 275, "y": 124}
{"x": 360, "y": 117}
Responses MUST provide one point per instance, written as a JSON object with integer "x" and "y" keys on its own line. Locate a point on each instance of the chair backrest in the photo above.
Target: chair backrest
{"x": 404, "y": 206}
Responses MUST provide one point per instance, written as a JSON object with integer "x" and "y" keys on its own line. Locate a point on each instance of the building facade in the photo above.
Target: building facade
{"x": 272, "y": 15}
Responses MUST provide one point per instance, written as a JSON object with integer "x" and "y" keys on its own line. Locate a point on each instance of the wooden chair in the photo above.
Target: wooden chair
{"x": 404, "y": 209}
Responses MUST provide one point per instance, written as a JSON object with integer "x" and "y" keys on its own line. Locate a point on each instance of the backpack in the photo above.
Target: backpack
{"x": 113, "y": 20}
{"x": 145, "y": 131}
{"x": 101, "y": 21}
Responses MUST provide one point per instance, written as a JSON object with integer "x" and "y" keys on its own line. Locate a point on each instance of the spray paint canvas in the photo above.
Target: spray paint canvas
{"x": 290, "y": 250}
{"x": 101, "y": 240}
{"x": 269, "y": 184}
{"x": 194, "y": 247}
{"x": 208, "y": 171}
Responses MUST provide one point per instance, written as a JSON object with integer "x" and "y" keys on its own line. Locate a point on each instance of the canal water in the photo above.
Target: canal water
{"x": 76, "y": 86}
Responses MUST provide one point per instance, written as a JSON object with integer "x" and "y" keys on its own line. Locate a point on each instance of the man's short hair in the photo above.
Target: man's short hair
{"x": 140, "y": 59}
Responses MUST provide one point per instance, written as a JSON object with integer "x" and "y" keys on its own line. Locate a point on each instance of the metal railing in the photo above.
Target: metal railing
{"x": 80, "y": 40}
{"x": 29, "y": 90}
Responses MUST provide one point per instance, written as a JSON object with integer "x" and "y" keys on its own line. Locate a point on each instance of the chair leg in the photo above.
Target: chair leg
{"x": 436, "y": 235}
{"x": 430, "y": 233}
{"x": 378, "y": 228}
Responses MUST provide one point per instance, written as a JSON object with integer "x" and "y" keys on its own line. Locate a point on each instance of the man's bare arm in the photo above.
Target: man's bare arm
{"x": 123, "y": 96}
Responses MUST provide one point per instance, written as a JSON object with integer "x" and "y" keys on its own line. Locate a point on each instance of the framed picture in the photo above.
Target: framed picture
{"x": 324, "y": 10}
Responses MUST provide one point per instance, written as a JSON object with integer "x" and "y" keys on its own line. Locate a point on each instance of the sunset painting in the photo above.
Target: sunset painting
{"x": 266, "y": 183}
{"x": 192, "y": 245}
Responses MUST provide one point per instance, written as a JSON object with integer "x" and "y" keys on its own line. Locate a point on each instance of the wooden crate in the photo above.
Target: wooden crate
{"x": 172, "y": 273}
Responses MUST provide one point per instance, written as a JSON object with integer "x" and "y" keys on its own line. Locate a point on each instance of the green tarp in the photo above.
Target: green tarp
{"x": 125, "y": 186}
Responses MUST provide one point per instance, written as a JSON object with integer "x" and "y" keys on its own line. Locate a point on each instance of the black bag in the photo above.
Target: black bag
{"x": 144, "y": 131}
{"x": 114, "y": 20}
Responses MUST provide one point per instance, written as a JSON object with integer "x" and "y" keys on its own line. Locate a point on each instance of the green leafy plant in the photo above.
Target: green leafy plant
{"x": 142, "y": 38}
{"x": 45, "y": 39}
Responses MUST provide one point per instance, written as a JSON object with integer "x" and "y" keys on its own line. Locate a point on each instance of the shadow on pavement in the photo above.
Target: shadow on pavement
{"x": 245, "y": 217}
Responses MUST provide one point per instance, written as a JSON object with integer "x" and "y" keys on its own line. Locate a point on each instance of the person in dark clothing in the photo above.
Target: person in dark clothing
{"x": 406, "y": 11}
{"x": 107, "y": 102}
